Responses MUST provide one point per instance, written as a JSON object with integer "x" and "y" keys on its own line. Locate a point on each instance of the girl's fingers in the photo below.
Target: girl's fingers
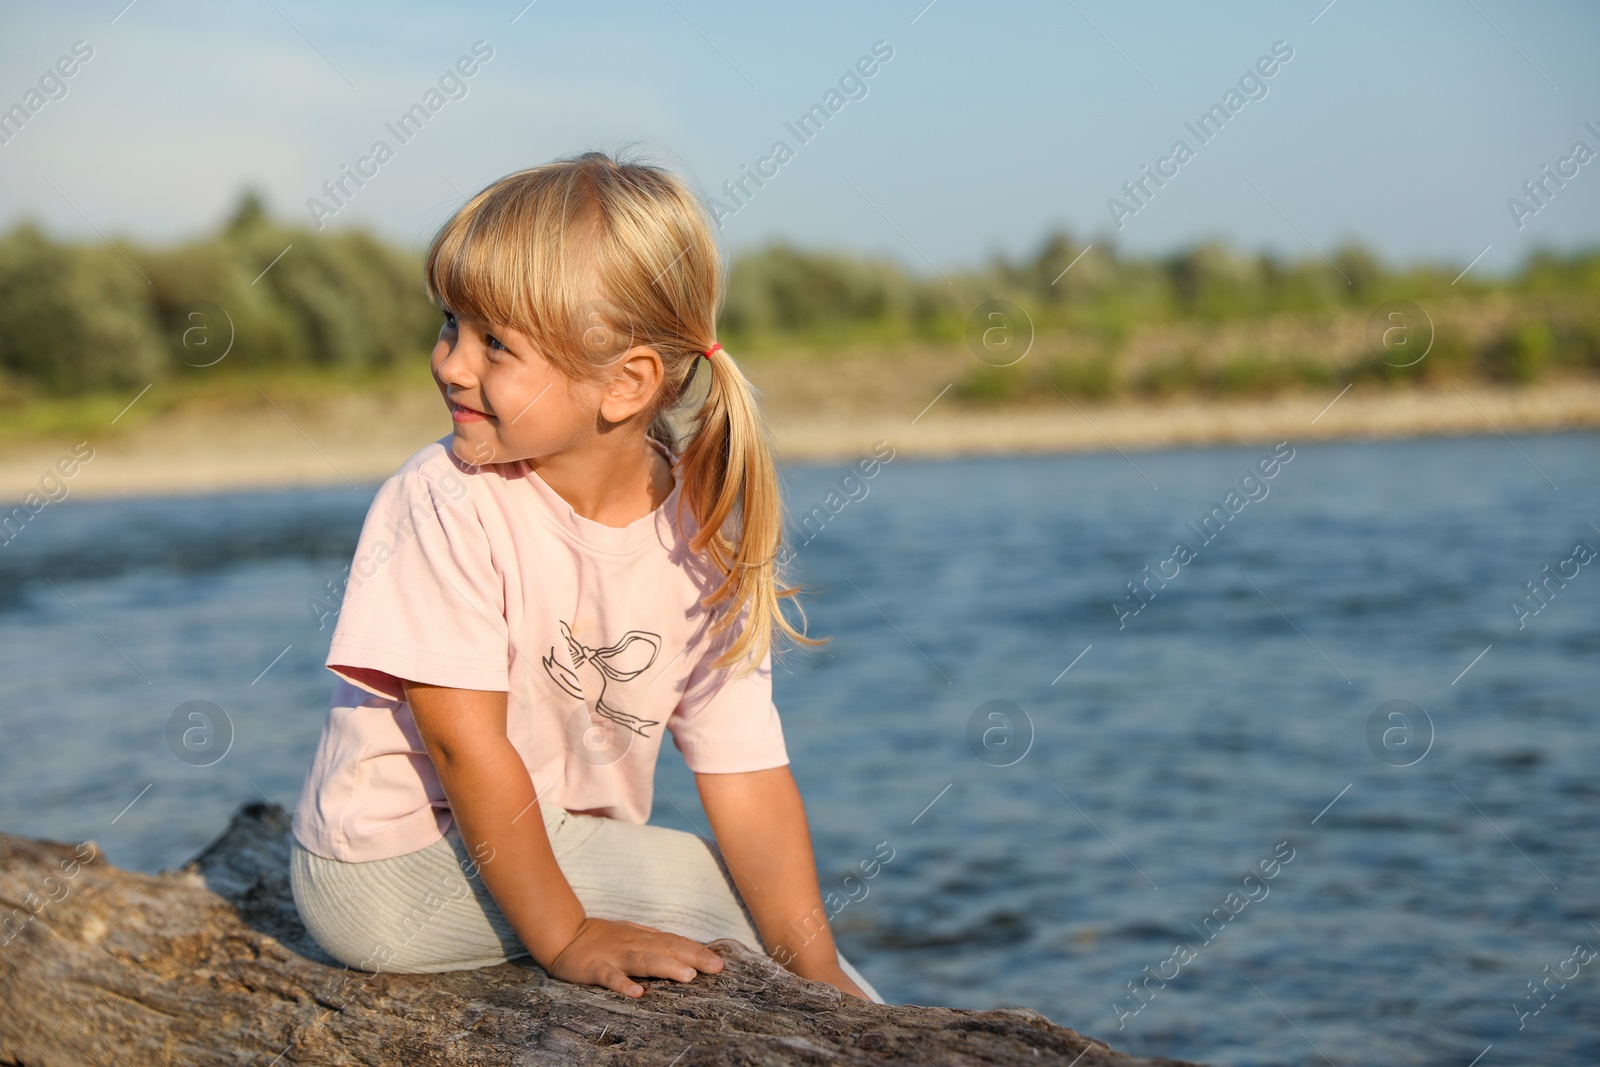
{"x": 693, "y": 953}
{"x": 700, "y": 958}
{"x": 667, "y": 956}
{"x": 660, "y": 966}
{"x": 696, "y": 955}
{"x": 618, "y": 982}
{"x": 683, "y": 948}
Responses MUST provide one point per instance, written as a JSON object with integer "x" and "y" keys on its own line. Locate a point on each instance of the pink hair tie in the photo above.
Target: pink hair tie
{"x": 716, "y": 346}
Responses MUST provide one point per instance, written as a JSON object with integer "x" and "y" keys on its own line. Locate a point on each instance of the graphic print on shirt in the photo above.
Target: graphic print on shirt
{"x": 593, "y": 669}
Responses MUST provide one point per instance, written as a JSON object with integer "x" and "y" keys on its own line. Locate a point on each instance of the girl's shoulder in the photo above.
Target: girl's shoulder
{"x": 436, "y": 458}
{"x": 436, "y": 471}
{"x": 433, "y": 481}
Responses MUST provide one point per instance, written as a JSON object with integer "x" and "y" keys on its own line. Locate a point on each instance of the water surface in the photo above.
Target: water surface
{"x": 1224, "y": 721}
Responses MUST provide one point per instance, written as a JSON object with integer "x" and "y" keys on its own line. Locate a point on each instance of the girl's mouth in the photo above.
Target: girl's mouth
{"x": 461, "y": 413}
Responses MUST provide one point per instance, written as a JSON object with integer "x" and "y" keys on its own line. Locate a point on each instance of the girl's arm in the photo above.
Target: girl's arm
{"x": 760, "y": 825}
{"x": 488, "y": 787}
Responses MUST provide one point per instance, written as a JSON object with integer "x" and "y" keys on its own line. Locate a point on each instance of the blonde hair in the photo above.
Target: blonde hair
{"x": 591, "y": 256}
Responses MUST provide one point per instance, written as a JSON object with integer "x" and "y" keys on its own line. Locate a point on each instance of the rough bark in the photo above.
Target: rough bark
{"x": 209, "y": 964}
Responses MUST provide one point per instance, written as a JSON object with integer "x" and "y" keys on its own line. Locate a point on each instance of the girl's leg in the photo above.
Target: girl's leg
{"x": 660, "y": 877}
{"x": 421, "y": 912}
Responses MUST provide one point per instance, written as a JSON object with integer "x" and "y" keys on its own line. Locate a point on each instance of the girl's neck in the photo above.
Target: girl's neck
{"x": 612, "y": 483}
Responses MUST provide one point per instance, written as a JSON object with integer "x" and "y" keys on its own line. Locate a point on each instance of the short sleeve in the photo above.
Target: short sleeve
{"x": 726, "y": 724}
{"x": 424, "y": 601}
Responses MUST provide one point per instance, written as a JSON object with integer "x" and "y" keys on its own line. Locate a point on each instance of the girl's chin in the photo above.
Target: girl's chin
{"x": 475, "y": 453}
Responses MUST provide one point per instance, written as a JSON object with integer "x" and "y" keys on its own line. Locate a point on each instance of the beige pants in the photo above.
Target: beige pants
{"x": 428, "y": 911}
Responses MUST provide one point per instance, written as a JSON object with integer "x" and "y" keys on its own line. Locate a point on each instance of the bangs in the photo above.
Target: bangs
{"x": 513, "y": 256}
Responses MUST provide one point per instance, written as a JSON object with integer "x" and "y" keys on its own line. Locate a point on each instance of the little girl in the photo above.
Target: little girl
{"x": 537, "y": 597}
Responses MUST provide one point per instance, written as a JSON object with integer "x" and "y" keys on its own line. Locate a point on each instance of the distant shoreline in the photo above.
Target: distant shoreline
{"x": 362, "y": 440}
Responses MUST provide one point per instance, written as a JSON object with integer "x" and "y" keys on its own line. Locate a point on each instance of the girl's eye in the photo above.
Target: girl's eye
{"x": 449, "y": 320}
{"x": 494, "y": 343}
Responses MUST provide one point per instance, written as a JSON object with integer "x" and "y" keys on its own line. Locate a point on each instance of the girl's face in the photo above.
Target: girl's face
{"x": 507, "y": 402}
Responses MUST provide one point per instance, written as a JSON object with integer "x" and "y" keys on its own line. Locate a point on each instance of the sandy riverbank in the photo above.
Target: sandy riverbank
{"x": 363, "y": 439}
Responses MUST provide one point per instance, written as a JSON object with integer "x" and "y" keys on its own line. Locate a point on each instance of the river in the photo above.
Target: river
{"x": 1186, "y": 819}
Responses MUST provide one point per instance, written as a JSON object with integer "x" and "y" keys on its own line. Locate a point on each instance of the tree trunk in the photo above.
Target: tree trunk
{"x": 210, "y": 964}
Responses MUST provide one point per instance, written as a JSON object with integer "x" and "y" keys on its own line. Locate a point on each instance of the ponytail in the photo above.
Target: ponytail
{"x": 727, "y": 473}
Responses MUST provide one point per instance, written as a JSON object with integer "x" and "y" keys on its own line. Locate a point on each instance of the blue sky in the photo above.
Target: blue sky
{"x": 1404, "y": 126}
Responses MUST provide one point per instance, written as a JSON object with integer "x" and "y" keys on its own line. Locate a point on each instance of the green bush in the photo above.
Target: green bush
{"x": 782, "y": 289}
{"x": 1582, "y": 347}
{"x": 1251, "y": 372}
{"x": 1181, "y": 375}
{"x": 1449, "y": 358}
{"x": 75, "y": 317}
{"x": 1521, "y": 356}
{"x": 81, "y": 317}
{"x": 1452, "y": 356}
{"x": 984, "y": 384}
{"x": 207, "y": 307}
{"x": 1093, "y": 376}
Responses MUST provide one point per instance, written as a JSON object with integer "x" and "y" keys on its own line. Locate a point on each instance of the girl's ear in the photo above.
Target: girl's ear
{"x": 635, "y": 377}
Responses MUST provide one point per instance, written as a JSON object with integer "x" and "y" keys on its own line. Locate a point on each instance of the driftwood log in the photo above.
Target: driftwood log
{"x": 209, "y": 964}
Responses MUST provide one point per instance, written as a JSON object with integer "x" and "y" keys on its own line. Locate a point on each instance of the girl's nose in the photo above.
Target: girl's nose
{"x": 453, "y": 369}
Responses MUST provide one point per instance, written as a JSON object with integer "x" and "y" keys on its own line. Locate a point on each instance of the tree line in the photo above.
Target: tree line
{"x": 77, "y": 317}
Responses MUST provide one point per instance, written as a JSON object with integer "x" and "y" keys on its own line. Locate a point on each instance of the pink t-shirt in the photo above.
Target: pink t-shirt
{"x": 486, "y": 578}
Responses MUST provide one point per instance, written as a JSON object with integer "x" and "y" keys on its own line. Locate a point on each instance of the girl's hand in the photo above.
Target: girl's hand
{"x": 833, "y": 975}
{"x": 605, "y": 952}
